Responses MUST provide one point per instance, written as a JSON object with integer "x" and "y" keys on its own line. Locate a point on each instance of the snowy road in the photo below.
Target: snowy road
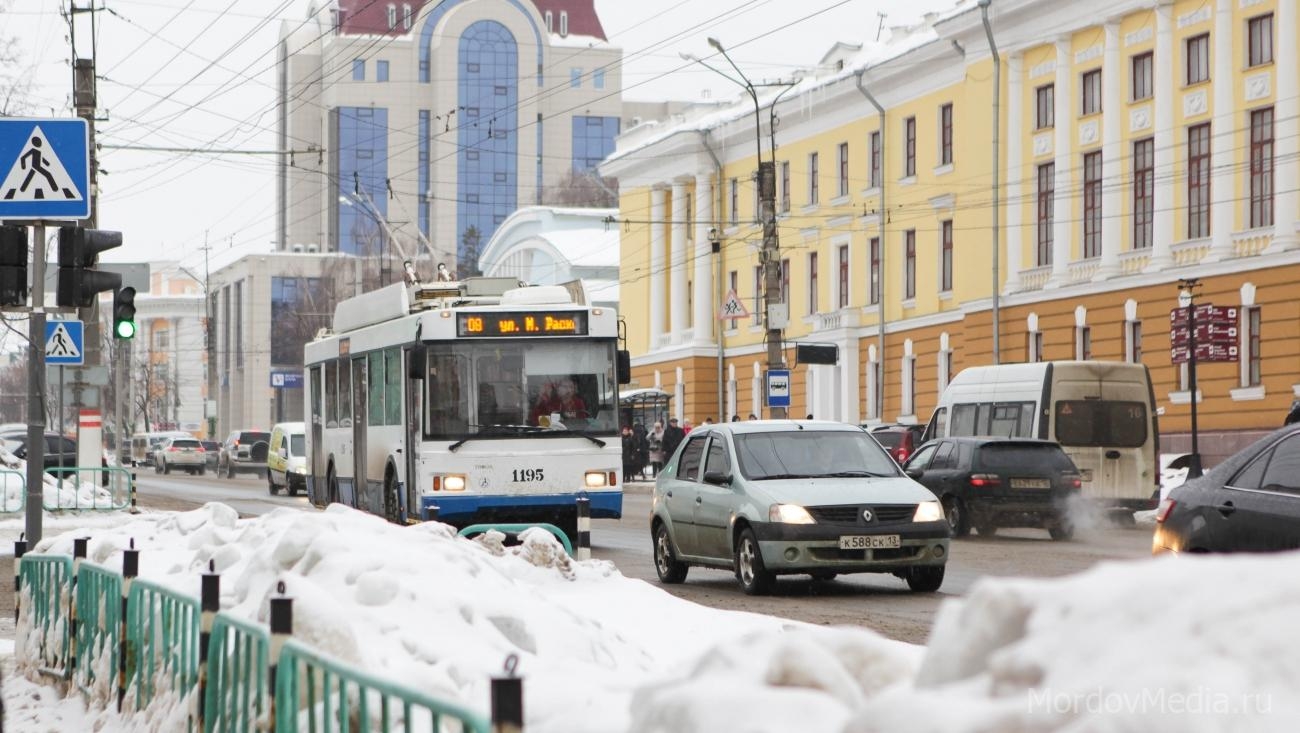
{"x": 882, "y": 603}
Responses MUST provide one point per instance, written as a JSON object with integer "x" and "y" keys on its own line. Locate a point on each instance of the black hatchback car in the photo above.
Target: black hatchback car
{"x": 1248, "y": 503}
{"x": 988, "y": 483}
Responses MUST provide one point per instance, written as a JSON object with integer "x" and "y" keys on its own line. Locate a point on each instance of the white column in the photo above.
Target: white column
{"x": 1062, "y": 220}
{"x": 658, "y": 274}
{"x": 1011, "y": 201}
{"x": 1286, "y": 130}
{"x": 678, "y": 245}
{"x": 1222, "y": 148}
{"x": 706, "y": 282}
{"x": 1166, "y": 90}
{"x": 1112, "y": 152}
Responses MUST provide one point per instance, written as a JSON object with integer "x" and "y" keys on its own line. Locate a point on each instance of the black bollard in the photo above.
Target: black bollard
{"x": 281, "y": 630}
{"x": 78, "y": 555}
{"x": 431, "y": 513}
{"x": 130, "y": 569}
{"x": 209, "y": 605}
{"x": 583, "y": 550}
{"x": 508, "y": 700}
{"x": 20, "y": 549}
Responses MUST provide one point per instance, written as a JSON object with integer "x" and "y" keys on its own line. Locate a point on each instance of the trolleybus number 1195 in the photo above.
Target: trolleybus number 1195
{"x": 527, "y": 474}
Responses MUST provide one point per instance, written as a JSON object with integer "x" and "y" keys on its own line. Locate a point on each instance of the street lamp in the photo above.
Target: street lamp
{"x": 715, "y": 245}
{"x": 770, "y": 256}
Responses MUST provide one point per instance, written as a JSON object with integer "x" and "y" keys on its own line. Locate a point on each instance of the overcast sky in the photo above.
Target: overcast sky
{"x": 200, "y": 74}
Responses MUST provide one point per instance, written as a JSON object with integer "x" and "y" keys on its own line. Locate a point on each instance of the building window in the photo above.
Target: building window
{"x": 1142, "y": 79}
{"x": 1091, "y": 102}
{"x": 1198, "y": 181}
{"x": 381, "y": 71}
{"x": 161, "y": 340}
{"x": 844, "y": 276}
{"x": 812, "y": 178}
{"x": 1083, "y": 343}
{"x": 1250, "y": 319}
{"x": 844, "y": 169}
{"x": 598, "y": 78}
{"x": 1144, "y": 162}
{"x": 945, "y": 134}
{"x": 1045, "y": 109}
{"x": 735, "y": 202}
{"x": 392, "y": 16}
{"x": 757, "y": 310}
{"x": 909, "y": 385}
{"x": 785, "y": 186}
{"x": 1046, "y": 192}
{"x": 909, "y": 147}
{"x": 1261, "y": 167}
{"x": 945, "y": 255}
{"x": 1198, "y": 58}
{"x": 358, "y": 70}
{"x": 1091, "y": 205}
{"x": 550, "y": 22}
{"x": 593, "y": 140}
{"x": 1034, "y": 346}
{"x": 875, "y": 160}
{"x": 812, "y": 283}
{"x": 575, "y": 78}
{"x": 875, "y": 270}
{"x": 407, "y": 16}
{"x": 564, "y": 23}
{"x": 1133, "y": 341}
{"x": 909, "y": 268}
{"x": 1260, "y": 42}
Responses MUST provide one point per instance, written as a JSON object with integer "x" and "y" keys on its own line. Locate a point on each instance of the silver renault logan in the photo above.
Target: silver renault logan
{"x": 777, "y": 497}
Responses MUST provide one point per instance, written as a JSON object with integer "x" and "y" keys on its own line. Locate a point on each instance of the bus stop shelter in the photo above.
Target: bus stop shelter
{"x": 645, "y": 406}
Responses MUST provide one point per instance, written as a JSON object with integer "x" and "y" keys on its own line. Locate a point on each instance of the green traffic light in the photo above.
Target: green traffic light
{"x": 124, "y": 329}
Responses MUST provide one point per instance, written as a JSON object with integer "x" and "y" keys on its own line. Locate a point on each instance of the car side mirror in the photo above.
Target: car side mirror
{"x": 914, "y": 473}
{"x": 717, "y": 478}
{"x": 623, "y": 366}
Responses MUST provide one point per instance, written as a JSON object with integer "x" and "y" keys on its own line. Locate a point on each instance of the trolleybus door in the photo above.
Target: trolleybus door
{"x": 412, "y": 389}
{"x": 316, "y": 489}
{"x": 360, "y": 414}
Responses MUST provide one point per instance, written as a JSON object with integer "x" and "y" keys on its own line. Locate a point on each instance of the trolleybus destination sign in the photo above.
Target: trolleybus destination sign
{"x": 531, "y": 323}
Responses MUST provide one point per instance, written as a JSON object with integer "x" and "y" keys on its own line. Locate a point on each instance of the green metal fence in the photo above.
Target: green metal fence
{"x": 315, "y": 692}
{"x": 237, "y": 686}
{"x": 162, "y": 627}
{"x": 46, "y": 585}
{"x": 112, "y": 488}
{"x": 99, "y": 630}
{"x": 515, "y": 529}
{"x": 11, "y": 501}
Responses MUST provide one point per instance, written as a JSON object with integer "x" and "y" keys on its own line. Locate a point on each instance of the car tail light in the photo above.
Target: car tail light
{"x": 984, "y": 480}
{"x": 901, "y": 456}
{"x": 200, "y": 449}
{"x": 1074, "y": 481}
{"x": 1166, "y": 506}
{"x": 172, "y": 449}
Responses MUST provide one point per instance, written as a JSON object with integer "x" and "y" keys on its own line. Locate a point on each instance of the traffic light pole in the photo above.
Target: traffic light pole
{"x": 36, "y": 392}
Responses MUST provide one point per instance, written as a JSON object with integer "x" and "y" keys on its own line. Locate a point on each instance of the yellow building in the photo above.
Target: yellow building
{"x": 1140, "y": 143}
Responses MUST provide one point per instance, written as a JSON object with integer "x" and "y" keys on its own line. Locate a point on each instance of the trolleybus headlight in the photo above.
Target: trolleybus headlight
{"x": 453, "y": 483}
{"x": 595, "y": 479}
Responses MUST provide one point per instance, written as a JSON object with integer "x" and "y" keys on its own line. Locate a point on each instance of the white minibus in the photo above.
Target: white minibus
{"x": 1102, "y": 413}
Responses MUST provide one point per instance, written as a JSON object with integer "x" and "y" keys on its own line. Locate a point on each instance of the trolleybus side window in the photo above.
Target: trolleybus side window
{"x": 345, "y": 392}
{"x": 375, "y": 384}
{"x": 331, "y": 394}
{"x": 393, "y": 386}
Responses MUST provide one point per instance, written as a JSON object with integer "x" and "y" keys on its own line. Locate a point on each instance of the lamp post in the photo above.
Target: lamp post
{"x": 715, "y": 245}
{"x": 770, "y": 255}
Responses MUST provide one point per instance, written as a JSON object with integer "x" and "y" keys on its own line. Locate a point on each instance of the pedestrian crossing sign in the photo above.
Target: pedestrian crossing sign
{"x": 64, "y": 343}
{"x": 732, "y": 307}
{"x": 44, "y": 169}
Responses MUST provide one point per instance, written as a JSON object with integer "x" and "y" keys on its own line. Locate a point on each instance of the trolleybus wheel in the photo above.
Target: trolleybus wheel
{"x": 392, "y": 508}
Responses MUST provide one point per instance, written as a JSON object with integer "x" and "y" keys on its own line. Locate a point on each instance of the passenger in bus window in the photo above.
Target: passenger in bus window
{"x": 560, "y": 396}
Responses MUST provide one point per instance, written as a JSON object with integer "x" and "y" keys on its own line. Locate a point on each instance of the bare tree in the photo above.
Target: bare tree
{"x": 585, "y": 189}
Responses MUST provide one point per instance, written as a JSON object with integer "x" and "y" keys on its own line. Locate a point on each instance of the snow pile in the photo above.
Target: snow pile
{"x": 442, "y": 613}
{"x": 57, "y": 493}
{"x": 1174, "y": 644}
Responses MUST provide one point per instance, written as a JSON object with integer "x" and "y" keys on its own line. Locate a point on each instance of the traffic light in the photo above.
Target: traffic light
{"x": 124, "y": 313}
{"x": 13, "y": 266}
{"x": 79, "y": 250}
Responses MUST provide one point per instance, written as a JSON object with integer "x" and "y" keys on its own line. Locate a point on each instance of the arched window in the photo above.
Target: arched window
{"x": 392, "y": 16}
{"x": 564, "y": 23}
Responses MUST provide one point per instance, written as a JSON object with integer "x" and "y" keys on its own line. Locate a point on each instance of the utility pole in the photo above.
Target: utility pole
{"x": 84, "y": 99}
{"x": 36, "y": 391}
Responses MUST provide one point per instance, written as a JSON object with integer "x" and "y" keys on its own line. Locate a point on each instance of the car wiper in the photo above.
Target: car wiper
{"x": 492, "y": 432}
{"x": 854, "y": 474}
{"x": 779, "y": 476}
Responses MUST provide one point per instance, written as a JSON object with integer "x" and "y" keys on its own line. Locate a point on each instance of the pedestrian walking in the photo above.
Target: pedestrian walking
{"x": 629, "y": 453}
{"x": 656, "y": 441}
{"x": 642, "y": 448}
{"x": 673, "y": 437}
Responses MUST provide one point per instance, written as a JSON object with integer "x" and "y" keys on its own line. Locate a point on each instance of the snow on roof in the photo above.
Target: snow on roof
{"x": 592, "y": 247}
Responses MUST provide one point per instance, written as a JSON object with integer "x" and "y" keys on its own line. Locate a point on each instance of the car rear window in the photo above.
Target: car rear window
{"x": 251, "y": 437}
{"x": 1020, "y": 457}
{"x": 185, "y": 444}
{"x": 297, "y": 445}
{"x": 888, "y": 439}
{"x": 1101, "y": 423}
{"x": 211, "y": 445}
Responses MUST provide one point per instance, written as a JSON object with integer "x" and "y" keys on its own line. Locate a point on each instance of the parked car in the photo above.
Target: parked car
{"x": 243, "y": 451}
{"x": 286, "y": 459}
{"x": 1248, "y": 503}
{"x": 57, "y": 447}
{"x": 211, "y": 454}
{"x": 899, "y": 440}
{"x": 181, "y": 453}
{"x": 988, "y": 483}
{"x": 771, "y": 497}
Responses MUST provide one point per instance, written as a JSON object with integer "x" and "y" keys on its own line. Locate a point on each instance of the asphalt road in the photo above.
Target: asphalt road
{"x": 879, "y": 602}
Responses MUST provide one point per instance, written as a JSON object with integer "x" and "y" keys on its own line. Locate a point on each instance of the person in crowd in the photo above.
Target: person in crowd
{"x": 629, "y": 453}
{"x": 752, "y": 416}
{"x": 708, "y": 421}
{"x": 642, "y": 449}
{"x": 673, "y": 437}
{"x": 560, "y": 397}
{"x": 809, "y": 416}
{"x": 655, "y": 439}
{"x": 686, "y": 426}
{"x": 735, "y": 418}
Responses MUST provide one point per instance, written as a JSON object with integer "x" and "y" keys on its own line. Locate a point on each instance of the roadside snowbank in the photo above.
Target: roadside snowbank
{"x": 57, "y": 493}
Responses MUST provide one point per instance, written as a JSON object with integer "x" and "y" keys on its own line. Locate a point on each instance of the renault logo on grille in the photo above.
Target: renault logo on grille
{"x": 867, "y": 516}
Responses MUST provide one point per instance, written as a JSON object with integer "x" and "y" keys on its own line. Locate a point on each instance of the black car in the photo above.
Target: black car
{"x": 57, "y": 448}
{"x": 1248, "y": 503}
{"x": 988, "y": 483}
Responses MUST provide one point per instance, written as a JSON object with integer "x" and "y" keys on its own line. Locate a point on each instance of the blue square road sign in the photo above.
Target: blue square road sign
{"x": 44, "y": 169}
{"x": 64, "y": 343}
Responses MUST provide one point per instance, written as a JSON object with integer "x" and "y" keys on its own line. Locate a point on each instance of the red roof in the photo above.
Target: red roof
{"x": 370, "y": 17}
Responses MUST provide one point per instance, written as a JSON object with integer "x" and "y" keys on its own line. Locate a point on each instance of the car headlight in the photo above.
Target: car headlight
{"x": 595, "y": 479}
{"x": 789, "y": 514}
{"x": 928, "y": 511}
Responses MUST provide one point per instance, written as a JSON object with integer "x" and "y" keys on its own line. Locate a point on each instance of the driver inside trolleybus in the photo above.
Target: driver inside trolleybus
{"x": 559, "y": 398}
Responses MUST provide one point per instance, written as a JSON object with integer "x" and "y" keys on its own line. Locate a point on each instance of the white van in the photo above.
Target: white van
{"x": 286, "y": 458}
{"x": 1102, "y": 413}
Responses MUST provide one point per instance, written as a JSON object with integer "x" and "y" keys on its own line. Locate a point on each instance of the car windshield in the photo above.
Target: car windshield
{"x": 811, "y": 454}
{"x": 298, "y": 445}
{"x": 1015, "y": 457}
